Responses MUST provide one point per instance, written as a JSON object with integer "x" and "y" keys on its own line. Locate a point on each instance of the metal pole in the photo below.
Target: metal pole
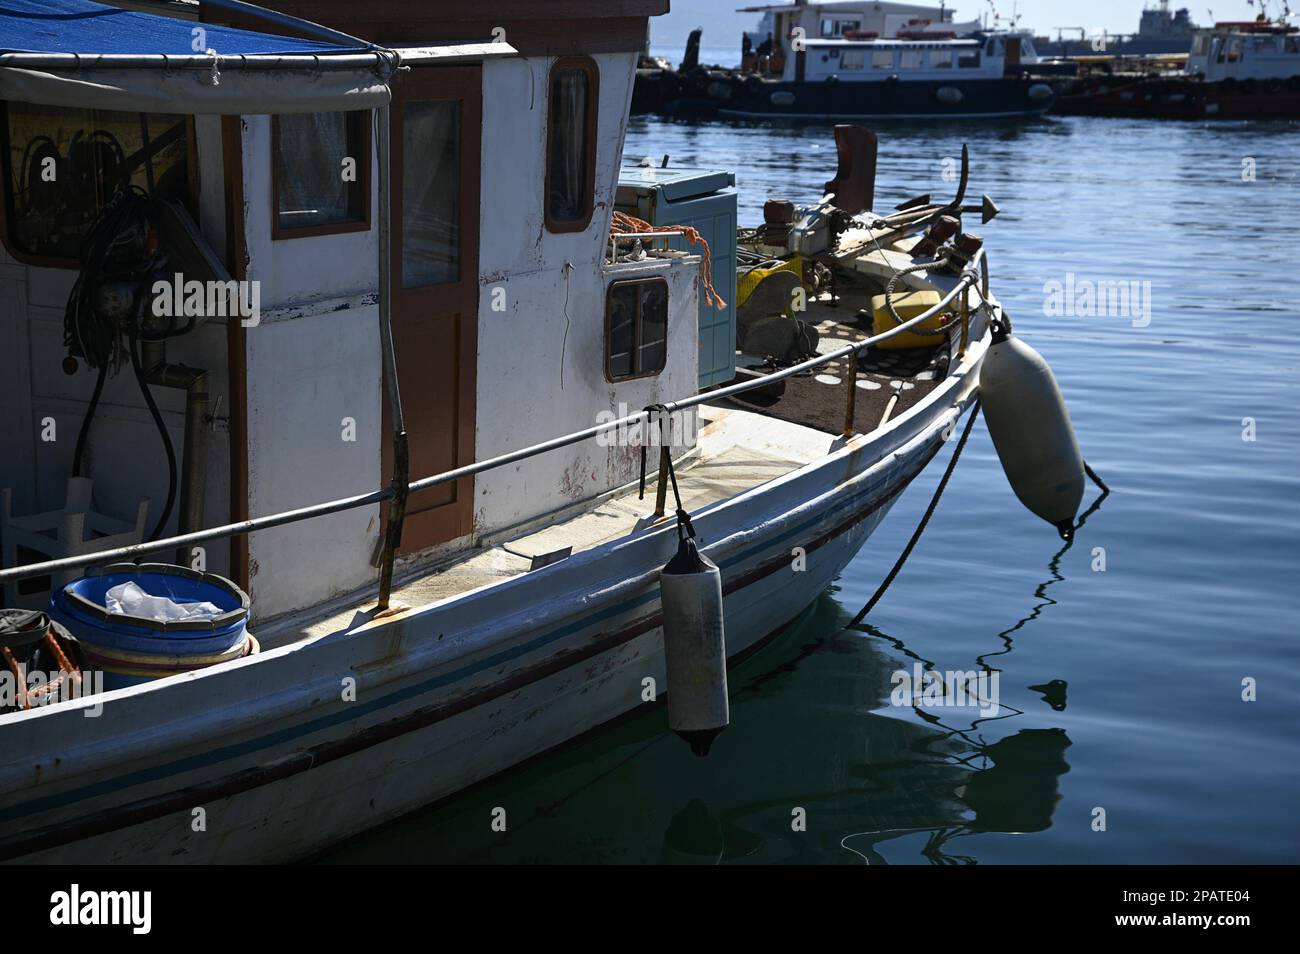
{"x": 661, "y": 489}
{"x": 851, "y": 404}
{"x": 401, "y": 484}
{"x": 965, "y": 325}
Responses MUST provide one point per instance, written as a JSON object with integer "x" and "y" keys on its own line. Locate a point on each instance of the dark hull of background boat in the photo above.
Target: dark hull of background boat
{"x": 728, "y": 96}
{"x": 1177, "y": 98}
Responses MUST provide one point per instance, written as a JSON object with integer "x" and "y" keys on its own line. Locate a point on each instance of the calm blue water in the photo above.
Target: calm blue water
{"x": 1201, "y": 537}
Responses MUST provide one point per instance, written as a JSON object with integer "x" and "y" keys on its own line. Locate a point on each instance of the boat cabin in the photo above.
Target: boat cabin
{"x": 865, "y": 42}
{"x": 1245, "y": 51}
{"x": 511, "y": 319}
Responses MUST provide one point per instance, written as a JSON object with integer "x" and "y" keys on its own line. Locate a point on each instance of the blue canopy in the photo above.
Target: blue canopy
{"x": 91, "y": 29}
{"x": 81, "y": 54}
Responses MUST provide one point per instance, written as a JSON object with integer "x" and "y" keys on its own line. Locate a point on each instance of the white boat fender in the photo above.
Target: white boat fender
{"x": 695, "y": 644}
{"x": 1031, "y": 429}
{"x": 695, "y": 647}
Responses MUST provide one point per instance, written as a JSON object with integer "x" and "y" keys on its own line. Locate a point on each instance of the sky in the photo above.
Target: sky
{"x": 722, "y": 26}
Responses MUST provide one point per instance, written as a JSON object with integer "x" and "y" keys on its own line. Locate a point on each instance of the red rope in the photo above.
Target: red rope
{"x": 623, "y": 222}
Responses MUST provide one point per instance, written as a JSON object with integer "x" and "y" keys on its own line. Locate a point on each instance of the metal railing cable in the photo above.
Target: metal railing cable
{"x": 969, "y": 276}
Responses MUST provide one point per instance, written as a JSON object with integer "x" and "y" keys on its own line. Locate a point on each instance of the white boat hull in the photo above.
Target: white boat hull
{"x": 276, "y": 764}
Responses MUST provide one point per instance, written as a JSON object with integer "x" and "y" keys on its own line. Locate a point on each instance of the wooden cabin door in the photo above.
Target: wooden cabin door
{"x": 436, "y": 136}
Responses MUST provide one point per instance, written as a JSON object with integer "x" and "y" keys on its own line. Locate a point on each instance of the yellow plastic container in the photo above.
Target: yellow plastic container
{"x": 747, "y": 282}
{"x": 908, "y": 305}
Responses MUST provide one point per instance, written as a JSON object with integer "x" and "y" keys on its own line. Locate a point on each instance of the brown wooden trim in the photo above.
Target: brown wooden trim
{"x": 529, "y": 37}
{"x": 232, "y": 162}
{"x": 636, "y": 329}
{"x": 587, "y": 65}
{"x": 454, "y": 302}
{"x": 364, "y": 146}
{"x": 333, "y": 12}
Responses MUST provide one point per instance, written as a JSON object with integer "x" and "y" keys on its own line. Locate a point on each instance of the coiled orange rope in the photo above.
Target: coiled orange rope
{"x": 623, "y": 222}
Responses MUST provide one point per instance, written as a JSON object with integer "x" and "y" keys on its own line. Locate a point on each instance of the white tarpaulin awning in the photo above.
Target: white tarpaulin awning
{"x": 192, "y": 91}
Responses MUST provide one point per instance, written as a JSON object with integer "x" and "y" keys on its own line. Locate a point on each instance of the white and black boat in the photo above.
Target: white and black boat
{"x": 859, "y": 60}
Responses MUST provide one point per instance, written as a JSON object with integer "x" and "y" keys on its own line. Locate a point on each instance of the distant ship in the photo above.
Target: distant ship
{"x": 1160, "y": 31}
{"x": 858, "y": 59}
{"x": 1237, "y": 70}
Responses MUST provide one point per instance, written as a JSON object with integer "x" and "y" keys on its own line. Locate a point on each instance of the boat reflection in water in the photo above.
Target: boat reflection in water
{"x": 817, "y": 738}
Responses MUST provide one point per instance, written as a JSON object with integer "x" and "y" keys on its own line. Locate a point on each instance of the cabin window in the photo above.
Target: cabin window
{"x": 431, "y": 192}
{"x": 910, "y": 59}
{"x": 1293, "y": 44}
{"x": 636, "y": 329}
{"x": 571, "y": 144}
{"x": 882, "y": 60}
{"x": 941, "y": 59}
{"x": 968, "y": 60}
{"x": 834, "y": 27}
{"x": 852, "y": 59}
{"x": 1199, "y": 45}
{"x": 320, "y": 173}
{"x": 1234, "y": 51}
{"x": 62, "y": 166}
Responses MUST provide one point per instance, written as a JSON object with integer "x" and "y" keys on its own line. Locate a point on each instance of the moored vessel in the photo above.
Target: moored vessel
{"x": 443, "y": 448}
{"x": 1235, "y": 70}
{"x": 862, "y": 61}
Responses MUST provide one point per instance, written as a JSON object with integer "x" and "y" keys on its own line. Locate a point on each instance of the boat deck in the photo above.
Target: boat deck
{"x": 818, "y": 399}
{"x": 737, "y": 450}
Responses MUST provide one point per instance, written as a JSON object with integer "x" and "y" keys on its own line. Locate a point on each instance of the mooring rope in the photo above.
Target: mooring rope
{"x": 920, "y": 528}
{"x": 934, "y": 503}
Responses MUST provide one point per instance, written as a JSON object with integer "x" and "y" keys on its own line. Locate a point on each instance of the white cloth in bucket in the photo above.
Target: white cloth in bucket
{"x": 128, "y": 599}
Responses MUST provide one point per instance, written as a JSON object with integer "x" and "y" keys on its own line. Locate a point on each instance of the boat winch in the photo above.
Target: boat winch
{"x": 1031, "y": 429}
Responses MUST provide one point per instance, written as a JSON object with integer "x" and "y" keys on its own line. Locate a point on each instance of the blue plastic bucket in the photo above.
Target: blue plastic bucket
{"x": 130, "y": 649}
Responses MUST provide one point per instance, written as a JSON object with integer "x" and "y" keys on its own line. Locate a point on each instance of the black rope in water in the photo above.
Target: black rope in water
{"x": 920, "y": 528}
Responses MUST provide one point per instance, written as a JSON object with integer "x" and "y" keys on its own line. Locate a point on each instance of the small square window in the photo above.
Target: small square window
{"x": 941, "y": 59}
{"x": 968, "y": 60}
{"x": 636, "y": 330}
{"x": 882, "y": 60}
{"x": 852, "y": 60}
{"x": 320, "y": 173}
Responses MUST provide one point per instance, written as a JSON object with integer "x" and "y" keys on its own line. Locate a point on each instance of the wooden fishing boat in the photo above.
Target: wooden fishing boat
{"x": 456, "y": 326}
